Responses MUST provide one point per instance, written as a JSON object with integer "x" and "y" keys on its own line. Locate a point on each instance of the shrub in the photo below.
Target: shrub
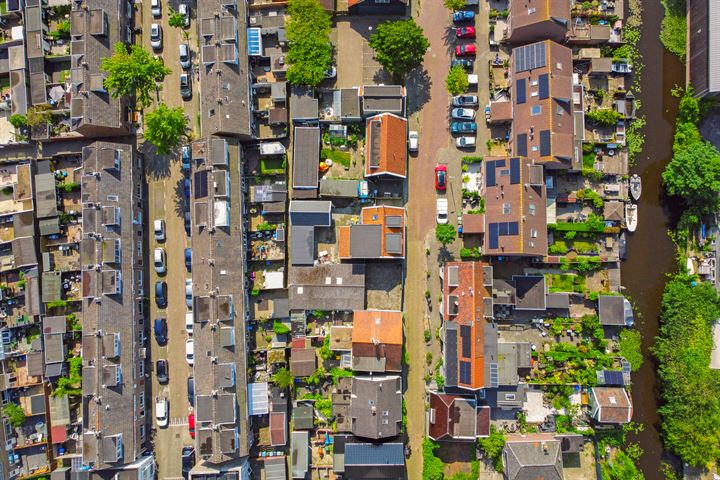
{"x": 283, "y": 378}
{"x": 280, "y": 328}
{"x": 457, "y": 80}
{"x": 630, "y": 347}
{"x": 14, "y": 414}
{"x": 492, "y": 447}
{"x": 604, "y": 116}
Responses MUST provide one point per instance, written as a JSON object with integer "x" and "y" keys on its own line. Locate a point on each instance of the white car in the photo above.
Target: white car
{"x": 465, "y": 101}
{"x": 155, "y": 8}
{"x": 159, "y": 228}
{"x": 156, "y": 36}
{"x": 159, "y": 260}
{"x": 442, "y": 210}
{"x": 189, "y": 322}
{"x": 162, "y": 412}
{"x": 184, "y": 55}
{"x": 188, "y": 293}
{"x": 190, "y": 351}
{"x": 413, "y": 141}
{"x": 465, "y": 142}
{"x": 463, "y": 114}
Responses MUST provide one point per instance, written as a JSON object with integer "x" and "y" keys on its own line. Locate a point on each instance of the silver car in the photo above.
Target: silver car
{"x": 156, "y": 36}
{"x": 184, "y": 55}
{"x": 463, "y": 114}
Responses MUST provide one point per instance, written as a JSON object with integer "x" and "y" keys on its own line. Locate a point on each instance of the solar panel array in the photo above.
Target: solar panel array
{"x": 465, "y": 373}
{"x": 543, "y": 86}
{"x": 530, "y": 57}
{"x": 514, "y": 171}
{"x": 521, "y": 147}
{"x": 501, "y": 229}
{"x": 614, "y": 377}
{"x": 520, "y": 91}
{"x": 491, "y": 172}
{"x": 466, "y": 338}
{"x": 545, "y": 143}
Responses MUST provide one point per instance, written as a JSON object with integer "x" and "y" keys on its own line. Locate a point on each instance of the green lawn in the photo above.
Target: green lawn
{"x": 272, "y": 166}
{"x": 337, "y": 156}
{"x": 565, "y": 282}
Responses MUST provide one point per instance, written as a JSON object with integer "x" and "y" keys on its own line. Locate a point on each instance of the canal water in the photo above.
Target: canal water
{"x": 651, "y": 254}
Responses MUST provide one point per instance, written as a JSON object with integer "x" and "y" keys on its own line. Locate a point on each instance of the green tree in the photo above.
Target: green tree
{"x": 14, "y": 414}
{"x": 606, "y": 117}
{"x": 630, "y": 347}
{"x": 457, "y": 80}
{"x": 325, "y": 352}
{"x": 310, "y": 52}
{"x": 492, "y": 447}
{"x": 62, "y": 30}
{"x": 280, "y": 328}
{"x": 165, "y": 127}
{"x": 176, "y": 19}
{"x": 133, "y": 72}
{"x": 283, "y": 378}
{"x": 694, "y": 174}
{"x": 317, "y": 377}
{"x": 621, "y": 467}
{"x": 445, "y": 233}
{"x": 433, "y": 468}
{"x": 399, "y": 46}
{"x": 454, "y": 4}
{"x": 18, "y": 121}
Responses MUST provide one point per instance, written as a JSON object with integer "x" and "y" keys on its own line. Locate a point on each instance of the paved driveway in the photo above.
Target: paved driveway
{"x": 355, "y": 62}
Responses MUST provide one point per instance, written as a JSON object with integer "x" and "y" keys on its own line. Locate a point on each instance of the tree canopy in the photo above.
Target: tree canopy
{"x": 492, "y": 447}
{"x": 133, "y": 72}
{"x": 165, "y": 127}
{"x": 399, "y": 46}
{"x": 14, "y": 414}
{"x": 454, "y": 4}
{"x": 690, "y": 389}
{"x": 310, "y": 51}
{"x": 457, "y": 80}
{"x": 283, "y": 378}
{"x": 694, "y": 174}
{"x": 176, "y": 19}
{"x": 445, "y": 234}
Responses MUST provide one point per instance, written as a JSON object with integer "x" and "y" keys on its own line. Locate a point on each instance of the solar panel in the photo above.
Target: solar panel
{"x": 465, "y": 370}
{"x": 503, "y": 229}
{"x": 543, "y": 86}
{"x": 514, "y": 171}
{"x": 529, "y": 57}
{"x": 521, "y": 148}
{"x": 614, "y": 377}
{"x": 544, "y": 143}
{"x": 520, "y": 91}
{"x": 513, "y": 228}
{"x": 499, "y": 163}
{"x": 494, "y": 375}
{"x": 493, "y": 230}
{"x": 201, "y": 184}
{"x": 490, "y": 180}
{"x": 465, "y": 336}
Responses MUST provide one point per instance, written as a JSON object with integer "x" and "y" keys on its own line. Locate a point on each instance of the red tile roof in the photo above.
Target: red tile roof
{"x": 378, "y": 334}
{"x": 454, "y": 417}
{"x": 278, "y": 429}
{"x": 378, "y": 215}
{"x": 386, "y": 143}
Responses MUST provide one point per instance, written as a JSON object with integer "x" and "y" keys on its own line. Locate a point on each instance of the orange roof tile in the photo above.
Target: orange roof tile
{"x": 390, "y": 149}
{"x": 379, "y": 325}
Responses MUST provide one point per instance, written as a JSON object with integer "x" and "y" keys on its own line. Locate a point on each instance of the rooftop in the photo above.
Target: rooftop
{"x": 376, "y": 406}
{"x": 380, "y": 234}
{"x": 327, "y": 287}
{"x": 377, "y": 340}
{"x": 386, "y": 146}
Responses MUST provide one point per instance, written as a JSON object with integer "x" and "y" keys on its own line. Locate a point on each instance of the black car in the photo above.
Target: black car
{"x": 188, "y": 223}
{"x": 188, "y": 460}
{"x": 463, "y": 62}
{"x": 191, "y": 390}
{"x": 185, "y": 86}
{"x": 161, "y": 294}
{"x": 160, "y": 328}
{"x": 162, "y": 371}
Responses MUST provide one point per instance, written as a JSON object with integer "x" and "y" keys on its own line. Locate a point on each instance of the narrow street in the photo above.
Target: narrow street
{"x": 165, "y": 201}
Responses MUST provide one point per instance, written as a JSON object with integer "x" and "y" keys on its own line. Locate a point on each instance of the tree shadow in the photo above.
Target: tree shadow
{"x": 420, "y": 83}
{"x": 157, "y": 167}
{"x": 449, "y": 39}
{"x": 180, "y": 203}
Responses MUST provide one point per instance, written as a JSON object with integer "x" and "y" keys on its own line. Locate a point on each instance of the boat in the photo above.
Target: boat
{"x": 631, "y": 216}
{"x": 635, "y": 187}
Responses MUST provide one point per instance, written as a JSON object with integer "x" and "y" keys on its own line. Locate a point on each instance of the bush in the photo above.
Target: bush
{"x": 604, "y": 116}
{"x": 473, "y": 252}
{"x": 457, "y": 80}
{"x": 280, "y": 328}
{"x": 492, "y": 447}
{"x": 469, "y": 159}
{"x": 433, "y": 467}
{"x": 14, "y": 414}
{"x": 325, "y": 352}
{"x": 630, "y": 347}
{"x": 445, "y": 234}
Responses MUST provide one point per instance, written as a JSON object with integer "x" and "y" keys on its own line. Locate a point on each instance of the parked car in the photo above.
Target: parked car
{"x": 191, "y": 424}
{"x": 188, "y": 459}
{"x": 186, "y": 188}
{"x": 188, "y": 293}
{"x": 463, "y": 114}
{"x": 191, "y": 390}
{"x": 156, "y": 36}
{"x": 464, "y": 16}
{"x": 185, "y": 86}
{"x": 413, "y": 141}
{"x": 442, "y": 210}
{"x": 155, "y": 8}
{"x": 160, "y": 329}
{"x": 188, "y": 259}
{"x": 465, "y": 32}
{"x": 184, "y": 10}
{"x": 463, "y": 127}
{"x": 440, "y": 178}
{"x": 186, "y": 158}
{"x": 161, "y": 294}
{"x": 463, "y": 62}
{"x": 466, "y": 49}
{"x": 159, "y": 228}
{"x": 465, "y": 101}
{"x": 189, "y": 320}
{"x": 184, "y": 54}
{"x": 161, "y": 371}
{"x": 162, "y": 412}
{"x": 190, "y": 351}
{"x": 465, "y": 142}
{"x": 188, "y": 223}
{"x": 159, "y": 261}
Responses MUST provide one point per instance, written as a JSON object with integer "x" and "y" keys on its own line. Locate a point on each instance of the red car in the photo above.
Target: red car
{"x": 465, "y": 32}
{"x": 467, "y": 49}
{"x": 441, "y": 178}
{"x": 191, "y": 425}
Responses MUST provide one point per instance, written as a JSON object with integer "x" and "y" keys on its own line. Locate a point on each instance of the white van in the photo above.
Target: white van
{"x": 162, "y": 412}
{"x": 189, "y": 322}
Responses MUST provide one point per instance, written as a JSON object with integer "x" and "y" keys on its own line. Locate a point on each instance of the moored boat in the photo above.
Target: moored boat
{"x": 631, "y": 216}
{"x": 635, "y": 187}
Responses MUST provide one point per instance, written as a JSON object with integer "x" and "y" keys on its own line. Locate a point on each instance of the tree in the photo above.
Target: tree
{"x": 445, "y": 234}
{"x": 694, "y": 174}
{"x": 605, "y": 117}
{"x": 325, "y": 352}
{"x": 18, "y": 121}
{"x": 165, "y": 127}
{"x": 310, "y": 52}
{"x": 454, "y": 4}
{"x": 176, "y": 19}
{"x": 283, "y": 378}
{"x": 457, "y": 80}
{"x": 14, "y": 414}
{"x": 492, "y": 447}
{"x": 280, "y": 328}
{"x": 317, "y": 377}
{"x": 433, "y": 467}
{"x": 399, "y": 46}
{"x": 133, "y": 72}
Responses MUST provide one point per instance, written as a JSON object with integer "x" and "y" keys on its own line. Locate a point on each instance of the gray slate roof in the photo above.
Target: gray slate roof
{"x": 533, "y": 460}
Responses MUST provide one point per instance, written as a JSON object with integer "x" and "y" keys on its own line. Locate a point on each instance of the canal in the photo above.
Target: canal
{"x": 651, "y": 254}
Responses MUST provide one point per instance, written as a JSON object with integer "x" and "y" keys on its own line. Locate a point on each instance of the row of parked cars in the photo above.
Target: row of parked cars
{"x": 156, "y": 42}
{"x": 463, "y": 112}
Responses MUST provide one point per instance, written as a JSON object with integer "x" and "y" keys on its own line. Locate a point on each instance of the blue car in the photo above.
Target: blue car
{"x": 186, "y": 188}
{"x": 186, "y": 158}
{"x": 463, "y": 127}
{"x": 188, "y": 259}
{"x": 464, "y": 16}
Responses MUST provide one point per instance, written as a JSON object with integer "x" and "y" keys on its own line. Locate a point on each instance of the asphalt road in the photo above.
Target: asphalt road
{"x": 165, "y": 179}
